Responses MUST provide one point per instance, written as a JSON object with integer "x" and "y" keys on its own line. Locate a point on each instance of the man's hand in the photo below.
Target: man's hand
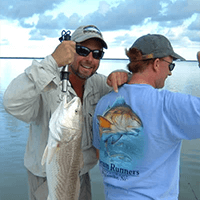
{"x": 64, "y": 53}
{"x": 116, "y": 79}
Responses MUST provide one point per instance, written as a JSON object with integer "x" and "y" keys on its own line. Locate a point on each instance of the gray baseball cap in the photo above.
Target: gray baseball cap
{"x": 83, "y": 33}
{"x": 155, "y": 46}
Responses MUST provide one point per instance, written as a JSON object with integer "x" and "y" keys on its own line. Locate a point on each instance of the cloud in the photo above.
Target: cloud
{"x": 36, "y": 35}
{"x": 171, "y": 24}
{"x": 123, "y": 16}
{"x": 192, "y": 35}
{"x": 20, "y": 9}
{"x": 126, "y": 14}
{"x": 195, "y": 25}
{"x": 109, "y": 16}
{"x": 23, "y": 24}
{"x": 48, "y": 26}
{"x": 125, "y": 40}
{"x": 104, "y": 7}
{"x": 60, "y": 22}
{"x": 47, "y": 22}
{"x": 4, "y": 42}
{"x": 174, "y": 11}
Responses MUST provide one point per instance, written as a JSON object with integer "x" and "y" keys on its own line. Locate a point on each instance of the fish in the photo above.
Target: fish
{"x": 63, "y": 155}
{"x": 119, "y": 119}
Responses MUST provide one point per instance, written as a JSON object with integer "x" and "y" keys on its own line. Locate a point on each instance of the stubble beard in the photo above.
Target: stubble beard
{"x": 81, "y": 76}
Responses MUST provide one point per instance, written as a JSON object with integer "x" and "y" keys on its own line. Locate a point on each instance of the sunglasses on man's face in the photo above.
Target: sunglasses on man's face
{"x": 171, "y": 65}
{"x": 84, "y": 51}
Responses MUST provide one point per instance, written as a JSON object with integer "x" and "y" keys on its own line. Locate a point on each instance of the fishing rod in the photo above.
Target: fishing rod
{"x": 65, "y": 35}
{"x": 193, "y": 191}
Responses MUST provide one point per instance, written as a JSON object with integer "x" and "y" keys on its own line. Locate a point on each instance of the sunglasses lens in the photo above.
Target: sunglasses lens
{"x": 171, "y": 66}
{"x": 84, "y": 51}
{"x": 98, "y": 54}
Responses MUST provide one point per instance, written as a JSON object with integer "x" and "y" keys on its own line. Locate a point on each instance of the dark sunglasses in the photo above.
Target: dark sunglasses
{"x": 171, "y": 65}
{"x": 84, "y": 51}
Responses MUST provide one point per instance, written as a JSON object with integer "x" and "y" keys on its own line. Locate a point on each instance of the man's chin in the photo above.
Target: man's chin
{"x": 80, "y": 75}
{"x": 83, "y": 76}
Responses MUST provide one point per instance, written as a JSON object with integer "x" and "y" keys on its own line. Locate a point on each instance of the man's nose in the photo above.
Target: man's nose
{"x": 90, "y": 57}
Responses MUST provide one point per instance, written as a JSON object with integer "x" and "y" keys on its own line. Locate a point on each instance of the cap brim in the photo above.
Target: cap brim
{"x": 176, "y": 56}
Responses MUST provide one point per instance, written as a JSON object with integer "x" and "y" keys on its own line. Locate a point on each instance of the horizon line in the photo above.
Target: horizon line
{"x": 13, "y": 57}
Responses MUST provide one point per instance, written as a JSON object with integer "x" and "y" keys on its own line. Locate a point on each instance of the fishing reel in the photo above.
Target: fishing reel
{"x": 65, "y": 35}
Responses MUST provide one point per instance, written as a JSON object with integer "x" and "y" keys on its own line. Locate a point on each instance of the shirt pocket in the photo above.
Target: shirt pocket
{"x": 89, "y": 110}
{"x": 93, "y": 103}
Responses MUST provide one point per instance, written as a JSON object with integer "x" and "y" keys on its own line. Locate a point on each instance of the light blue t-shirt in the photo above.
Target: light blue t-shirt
{"x": 139, "y": 132}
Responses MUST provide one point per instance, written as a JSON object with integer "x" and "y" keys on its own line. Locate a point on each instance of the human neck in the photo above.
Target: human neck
{"x": 141, "y": 78}
{"x": 139, "y": 81}
{"x": 77, "y": 84}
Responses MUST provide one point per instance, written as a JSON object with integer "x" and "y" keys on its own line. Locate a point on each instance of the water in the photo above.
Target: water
{"x": 14, "y": 134}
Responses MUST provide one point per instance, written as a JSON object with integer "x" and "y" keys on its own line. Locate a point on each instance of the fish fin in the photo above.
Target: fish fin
{"x": 44, "y": 157}
{"x": 103, "y": 122}
{"x": 52, "y": 152}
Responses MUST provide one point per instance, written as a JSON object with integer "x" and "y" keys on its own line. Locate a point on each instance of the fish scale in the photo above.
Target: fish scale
{"x": 63, "y": 155}
{"x": 65, "y": 176}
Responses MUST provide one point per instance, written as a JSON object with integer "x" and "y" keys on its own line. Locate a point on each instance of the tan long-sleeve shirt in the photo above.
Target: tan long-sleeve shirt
{"x": 34, "y": 95}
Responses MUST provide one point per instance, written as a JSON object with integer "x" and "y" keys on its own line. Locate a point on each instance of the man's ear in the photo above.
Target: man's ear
{"x": 156, "y": 65}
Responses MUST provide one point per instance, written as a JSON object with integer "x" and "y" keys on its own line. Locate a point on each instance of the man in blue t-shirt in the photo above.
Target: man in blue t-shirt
{"x": 139, "y": 130}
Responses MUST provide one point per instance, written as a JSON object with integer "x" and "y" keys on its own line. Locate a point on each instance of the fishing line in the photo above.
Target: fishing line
{"x": 193, "y": 191}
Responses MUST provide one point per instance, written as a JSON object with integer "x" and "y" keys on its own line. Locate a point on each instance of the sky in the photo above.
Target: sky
{"x": 31, "y": 28}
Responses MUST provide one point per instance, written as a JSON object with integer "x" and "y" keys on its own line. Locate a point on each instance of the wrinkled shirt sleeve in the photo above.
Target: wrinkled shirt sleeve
{"x": 21, "y": 99}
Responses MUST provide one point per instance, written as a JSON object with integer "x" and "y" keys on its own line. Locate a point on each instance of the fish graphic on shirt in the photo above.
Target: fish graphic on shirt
{"x": 119, "y": 118}
{"x": 121, "y": 132}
